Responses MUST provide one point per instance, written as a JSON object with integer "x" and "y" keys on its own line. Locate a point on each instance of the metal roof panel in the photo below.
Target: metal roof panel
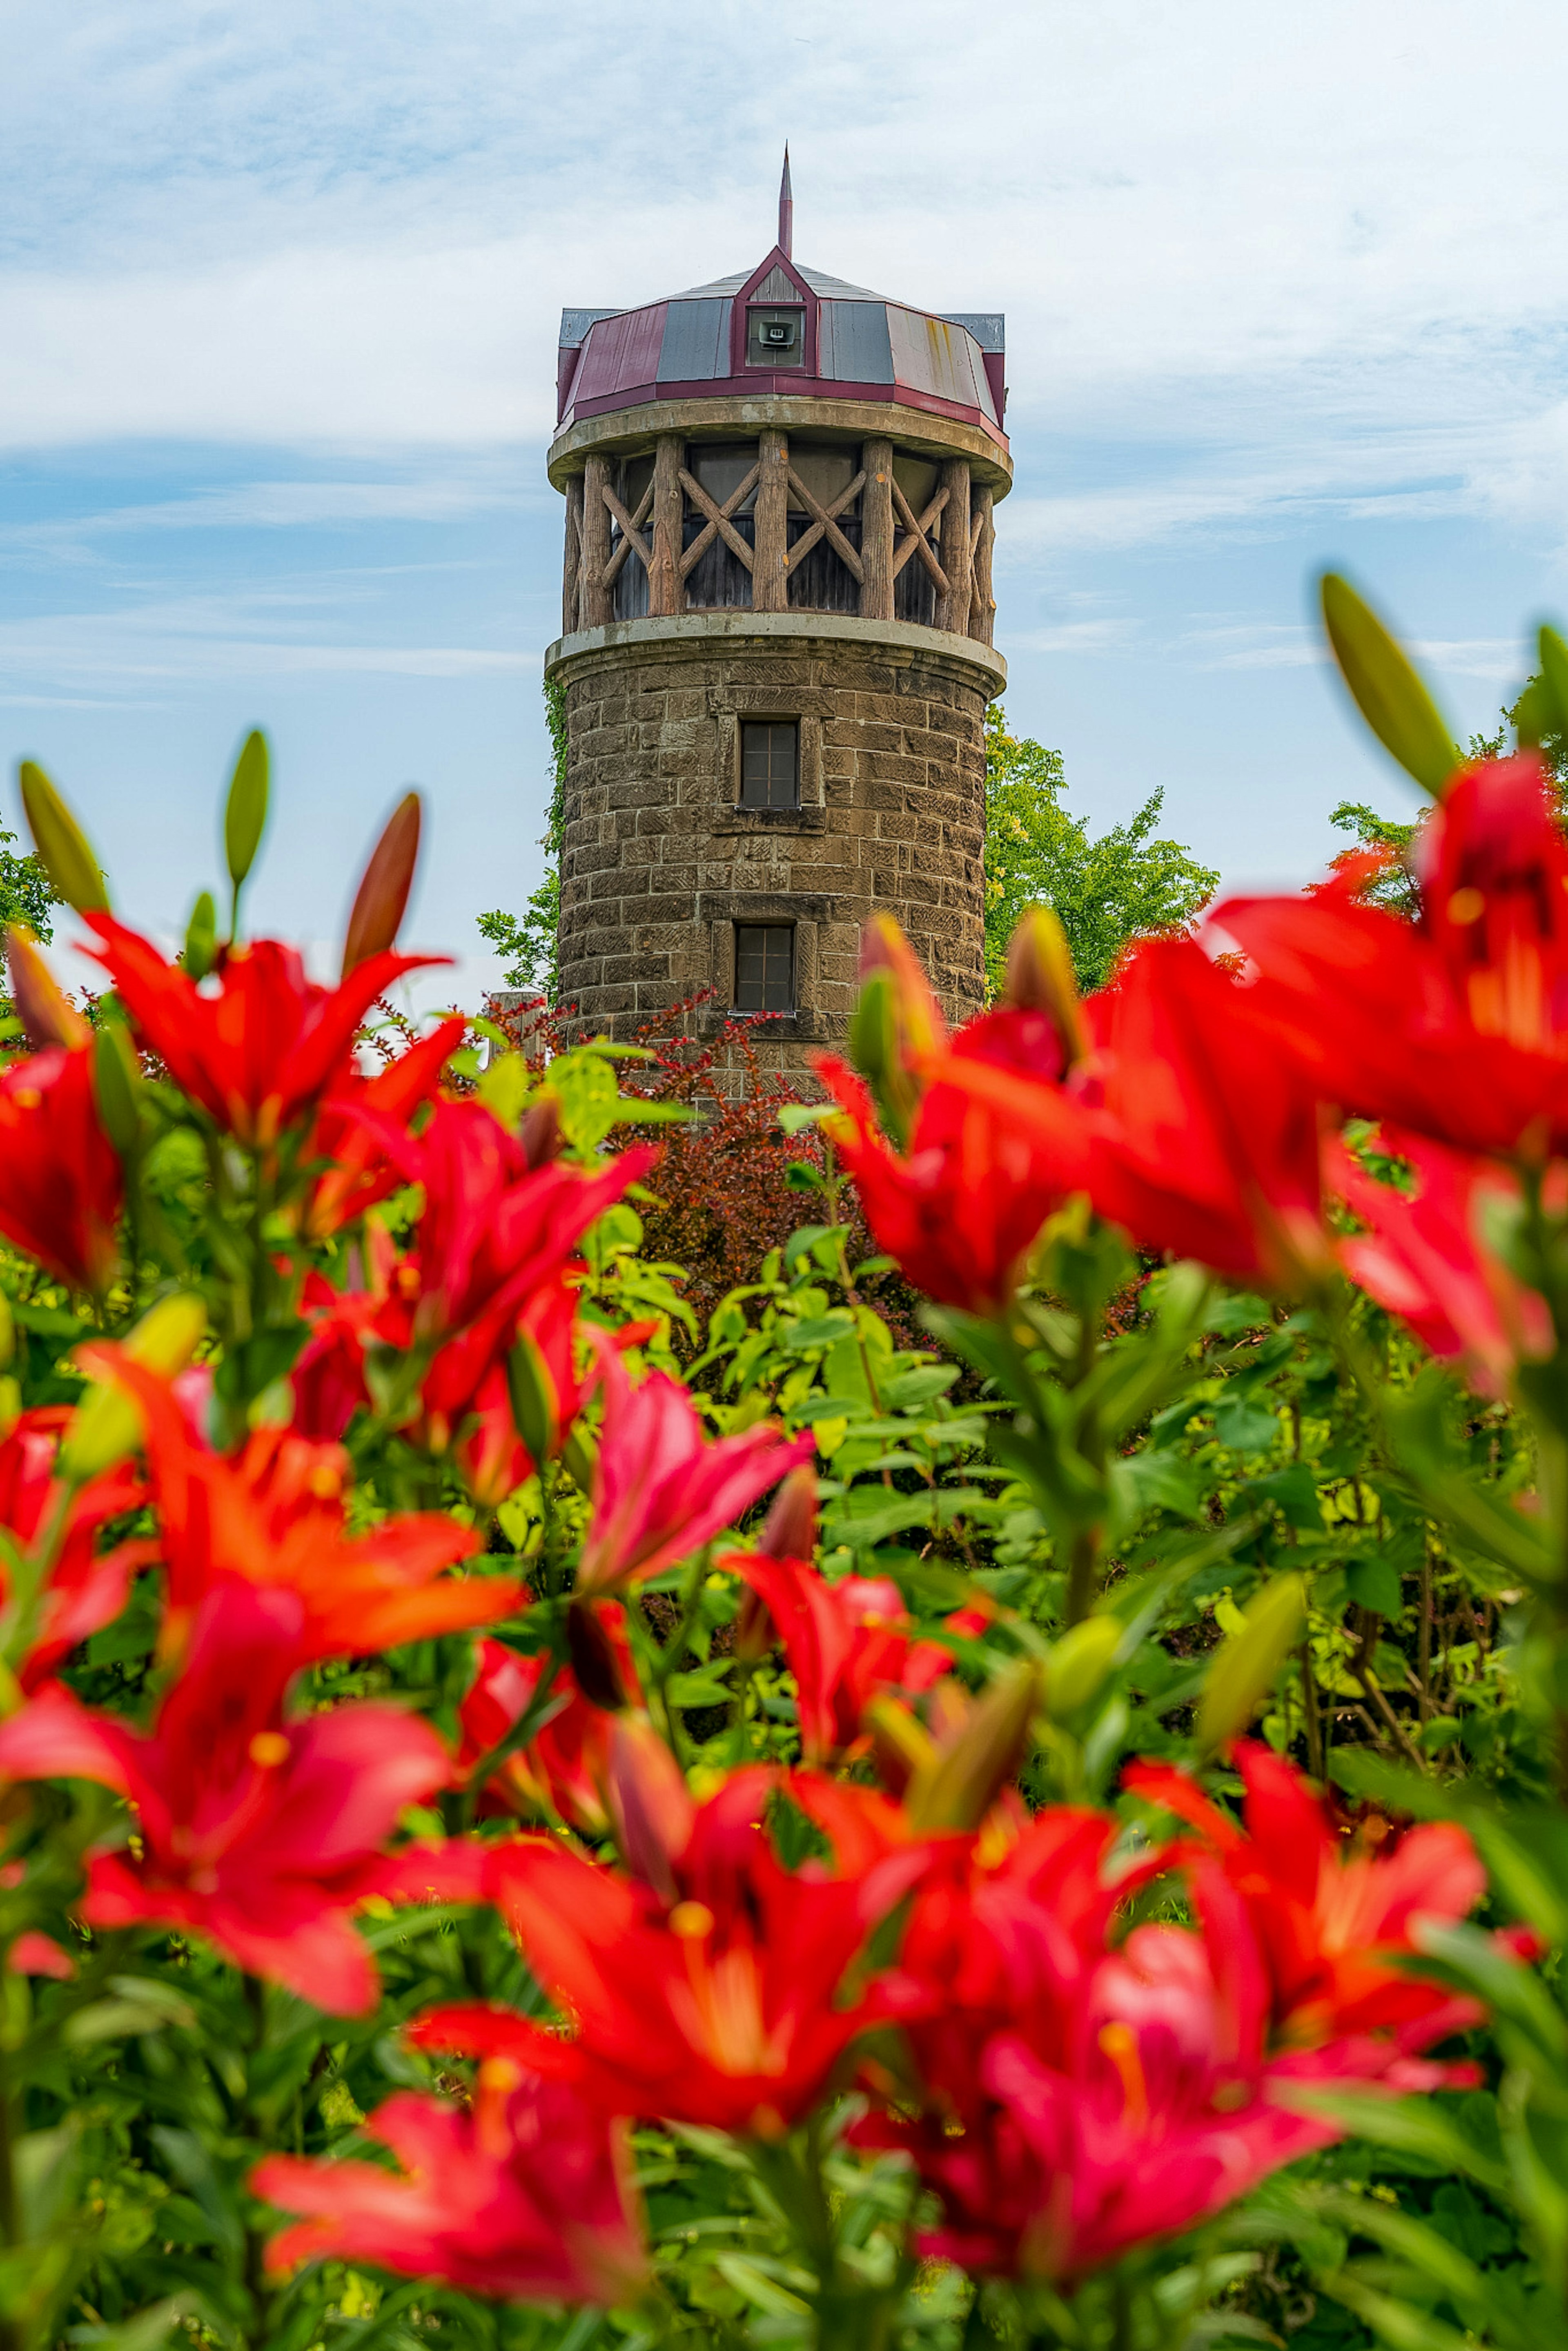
{"x": 696, "y": 341}
{"x": 623, "y": 351}
{"x": 852, "y": 345}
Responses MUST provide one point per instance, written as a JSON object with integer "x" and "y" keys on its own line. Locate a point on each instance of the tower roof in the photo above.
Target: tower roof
{"x": 838, "y": 342}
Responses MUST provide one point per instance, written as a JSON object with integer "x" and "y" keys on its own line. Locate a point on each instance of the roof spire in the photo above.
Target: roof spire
{"x": 786, "y": 209}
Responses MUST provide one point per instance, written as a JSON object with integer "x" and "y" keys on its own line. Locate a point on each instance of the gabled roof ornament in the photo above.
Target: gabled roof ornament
{"x": 786, "y": 211}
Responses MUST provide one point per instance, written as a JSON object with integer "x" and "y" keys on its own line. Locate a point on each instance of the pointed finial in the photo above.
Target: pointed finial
{"x": 786, "y": 210}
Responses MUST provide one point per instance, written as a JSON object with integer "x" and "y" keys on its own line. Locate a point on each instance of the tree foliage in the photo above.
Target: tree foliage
{"x": 1126, "y": 884}
{"x": 25, "y": 893}
{"x": 533, "y": 944}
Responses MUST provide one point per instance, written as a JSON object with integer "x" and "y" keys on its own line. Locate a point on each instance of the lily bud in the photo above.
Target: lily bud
{"x": 47, "y": 1015}
{"x": 108, "y": 1422}
{"x": 541, "y": 1134}
{"x": 115, "y": 1079}
{"x": 957, "y": 1787}
{"x": 535, "y": 1408}
{"x": 755, "y": 1634}
{"x": 382, "y": 895}
{"x": 1040, "y": 978}
{"x": 1243, "y": 1670}
{"x": 593, "y": 1658}
{"x": 1079, "y": 1663}
{"x": 649, "y": 1804}
{"x": 202, "y": 937}
{"x": 63, "y": 848}
{"x": 922, "y": 1031}
{"x": 790, "y": 1531}
{"x": 896, "y": 1030}
{"x": 901, "y": 1745}
{"x": 245, "y": 815}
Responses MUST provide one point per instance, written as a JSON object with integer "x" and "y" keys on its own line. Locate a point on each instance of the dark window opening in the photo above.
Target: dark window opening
{"x": 770, "y": 763}
{"x": 764, "y": 966}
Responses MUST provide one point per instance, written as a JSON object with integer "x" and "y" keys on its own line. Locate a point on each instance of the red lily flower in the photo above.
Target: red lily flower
{"x": 1084, "y": 2097}
{"x": 1457, "y": 1024}
{"x": 1424, "y": 1258}
{"x": 528, "y": 2197}
{"x": 82, "y": 1589}
{"x": 272, "y": 1514}
{"x": 1179, "y": 1115}
{"x": 259, "y": 1833}
{"x": 962, "y": 1207}
{"x": 660, "y": 1488}
{"x": 1330, "y": 1921}
{"x": 843, "y": 1642}
{"x": 723, "y": 2004}
{"x": 565, "y": 1766}
{"x": 61, "y": 1184}
{"x": 260, "y": 1052}
{"x": 497, "y": 1239}
{"x": 360, "y": 1172}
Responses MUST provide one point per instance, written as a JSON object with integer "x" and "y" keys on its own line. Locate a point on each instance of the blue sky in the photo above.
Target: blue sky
{"x": 278, "y": 296}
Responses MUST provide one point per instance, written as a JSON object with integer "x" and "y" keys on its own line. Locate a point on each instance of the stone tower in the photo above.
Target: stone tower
{"x": 775, "y": 646}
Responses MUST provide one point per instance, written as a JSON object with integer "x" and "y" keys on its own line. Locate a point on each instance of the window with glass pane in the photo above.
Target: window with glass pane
{"x": 770, "y": 763}
{"x": 764, "y": 967}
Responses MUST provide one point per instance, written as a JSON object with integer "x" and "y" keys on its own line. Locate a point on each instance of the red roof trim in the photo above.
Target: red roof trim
{"x": 788, "y": 383}
{"x": 777, "y": 259}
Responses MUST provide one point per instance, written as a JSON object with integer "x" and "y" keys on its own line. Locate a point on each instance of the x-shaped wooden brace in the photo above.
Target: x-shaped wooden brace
{"x": 824, "y": 520}
{"x": 917, "y": 543}
{"x": 718, "y": 524}
{"x": 631, "y": 528}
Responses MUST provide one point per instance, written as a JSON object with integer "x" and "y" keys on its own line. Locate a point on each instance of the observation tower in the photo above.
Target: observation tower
{"x": 776, "y": 644}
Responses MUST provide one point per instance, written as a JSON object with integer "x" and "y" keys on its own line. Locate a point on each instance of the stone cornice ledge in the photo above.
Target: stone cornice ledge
{"x": 738, "y": 628}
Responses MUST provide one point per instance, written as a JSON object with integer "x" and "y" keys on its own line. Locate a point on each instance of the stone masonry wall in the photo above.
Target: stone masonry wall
{"x": 659, "y": 862}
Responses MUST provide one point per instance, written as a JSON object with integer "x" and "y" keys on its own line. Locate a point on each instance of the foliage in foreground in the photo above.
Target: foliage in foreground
{"x": 515, "y": 1834}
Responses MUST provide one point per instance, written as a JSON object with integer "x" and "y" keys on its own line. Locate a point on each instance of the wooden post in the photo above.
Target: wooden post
{"x": 666, "y": 594}
{"x": 983, "y": 604}
{"x": 571, "y": 574}
{"x": 598, "y": 600}
{"x": 876, "y": 531}
{"x": 953, "y": 609}
{"x": 769, "y": 579}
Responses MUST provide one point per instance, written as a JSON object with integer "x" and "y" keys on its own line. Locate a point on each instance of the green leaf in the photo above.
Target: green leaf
{"x": 245, "y": 812}
{"x": 62, "y": 846}
{"x": 1405, "y": 2126}
{"x": 1387, "y": 689}
{"x": 1244, "y": 1669}
{"x": 1294, "y": 1494}
{"x": 1245, "y": 1427}
{"x": 698, "y": 1689}
{"x": 1375, "y": 1584}
{"x": 583, "y": 1082}
{"x": 1397, "y": 2324}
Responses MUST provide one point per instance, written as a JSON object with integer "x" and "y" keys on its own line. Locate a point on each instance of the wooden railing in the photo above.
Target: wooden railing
{"x": 951, "y": 538}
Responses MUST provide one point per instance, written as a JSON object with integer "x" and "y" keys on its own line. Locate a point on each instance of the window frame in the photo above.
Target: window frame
{"x": 746, "y": 724}
{"x": 789, "y": 1006}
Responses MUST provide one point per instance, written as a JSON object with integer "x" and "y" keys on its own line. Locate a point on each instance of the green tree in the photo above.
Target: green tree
{"x": 25, "y": 896}
{"x": 1105, "y": 892}
{"x": 533, "y": 944}
{"x": 1395, "y": 887}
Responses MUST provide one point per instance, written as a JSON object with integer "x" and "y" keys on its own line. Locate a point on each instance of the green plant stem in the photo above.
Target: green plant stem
{"x": 11, "y": 2333}
{"x": 674, "y": 1649}
{"x": 262, "y": 2293}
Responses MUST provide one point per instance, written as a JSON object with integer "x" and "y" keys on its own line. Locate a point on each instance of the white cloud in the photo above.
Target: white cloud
{"x": 355, "y": 226}
{"x": 118, "y": 657}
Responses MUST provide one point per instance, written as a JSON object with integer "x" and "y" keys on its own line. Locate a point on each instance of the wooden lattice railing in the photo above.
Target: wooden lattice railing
{"x": 951, "y": 538}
